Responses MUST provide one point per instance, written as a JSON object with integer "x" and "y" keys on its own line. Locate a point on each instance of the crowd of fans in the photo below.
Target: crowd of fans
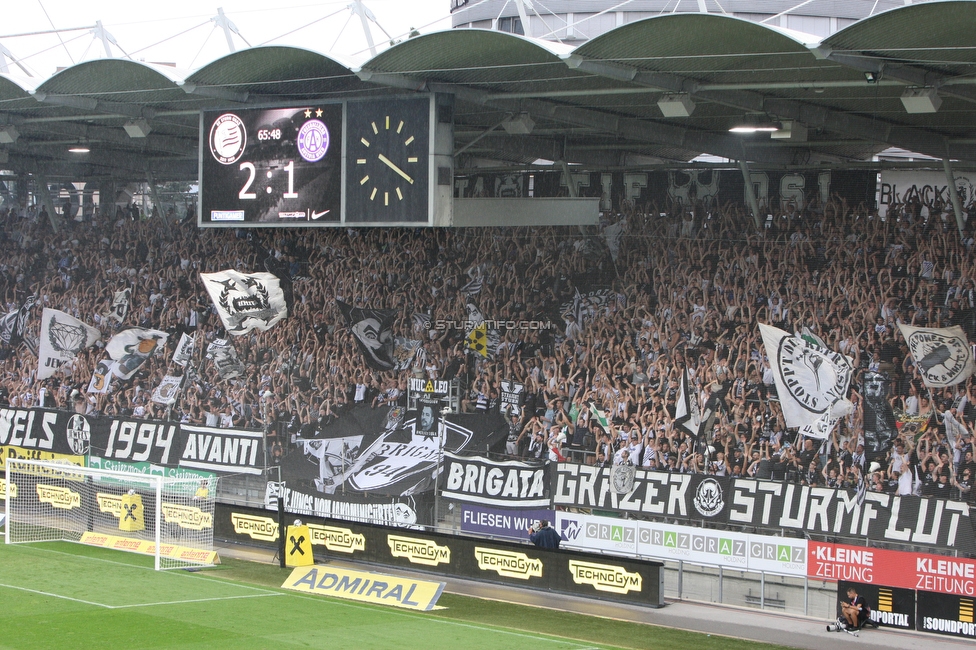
{"x": 685, "y": 290}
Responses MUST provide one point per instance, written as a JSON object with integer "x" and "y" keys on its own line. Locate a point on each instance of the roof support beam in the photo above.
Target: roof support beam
{"x": 630, "y": 128}
{"x": 906, "y": 74}
{"x": 954, "y": 195}
{"x": 868, "y": 128}
{"x": 96, "y": 105}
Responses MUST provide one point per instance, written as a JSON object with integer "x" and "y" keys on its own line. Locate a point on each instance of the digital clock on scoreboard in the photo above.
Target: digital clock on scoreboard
{"x": 271, "y": 166}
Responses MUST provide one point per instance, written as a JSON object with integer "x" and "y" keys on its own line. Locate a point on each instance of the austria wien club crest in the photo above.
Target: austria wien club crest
{"x": 246, "y": 301}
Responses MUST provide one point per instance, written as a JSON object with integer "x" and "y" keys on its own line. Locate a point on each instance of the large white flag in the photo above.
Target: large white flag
{"x": 811, "y": 381}
{"x": 246, "y": 301}
{"x": 942, "y": 355}
{"x": 62, "y": 338}
{"x": 130, "y": 348}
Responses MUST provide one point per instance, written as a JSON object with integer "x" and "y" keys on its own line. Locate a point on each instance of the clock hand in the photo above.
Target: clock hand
{"x": 389, "y": 163}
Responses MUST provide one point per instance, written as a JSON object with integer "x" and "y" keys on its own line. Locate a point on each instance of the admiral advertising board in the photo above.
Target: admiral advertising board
{"x": 627, "y": 537}
{"x": 936, "y": 523}
{"x": 564, "y": 571}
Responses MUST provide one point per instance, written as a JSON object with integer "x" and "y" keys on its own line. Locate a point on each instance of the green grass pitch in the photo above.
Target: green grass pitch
{"x": 61, "y": 595}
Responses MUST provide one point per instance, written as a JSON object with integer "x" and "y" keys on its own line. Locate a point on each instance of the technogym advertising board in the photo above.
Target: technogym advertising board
{"x": 524, "y": 565}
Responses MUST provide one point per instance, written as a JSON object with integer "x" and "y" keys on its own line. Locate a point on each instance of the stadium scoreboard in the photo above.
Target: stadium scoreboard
{"x": 366, "y": 162}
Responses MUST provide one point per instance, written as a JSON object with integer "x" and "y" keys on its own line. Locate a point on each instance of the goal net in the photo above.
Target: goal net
{"x": 168, "y": 518}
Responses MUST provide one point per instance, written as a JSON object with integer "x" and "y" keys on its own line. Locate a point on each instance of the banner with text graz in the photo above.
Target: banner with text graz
{"x": 383, "y": 451}
{"x": 936, "y": 523}
{"x": 662, "y": 541}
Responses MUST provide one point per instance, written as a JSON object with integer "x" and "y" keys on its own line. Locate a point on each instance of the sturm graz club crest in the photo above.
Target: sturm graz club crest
{"x": 709, "y": 500}
{"x": 78, "y": 433}
{"x": 941, "y": 358}
{"x": 247, "y": 298}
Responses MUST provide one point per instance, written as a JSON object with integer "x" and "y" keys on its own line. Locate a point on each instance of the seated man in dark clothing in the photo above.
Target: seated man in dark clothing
{"x": 544, "y": 536}
{"x": 855, "y": 611}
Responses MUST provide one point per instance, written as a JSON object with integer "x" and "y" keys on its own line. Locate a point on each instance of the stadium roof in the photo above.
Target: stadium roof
{"x": 596, "y": 104}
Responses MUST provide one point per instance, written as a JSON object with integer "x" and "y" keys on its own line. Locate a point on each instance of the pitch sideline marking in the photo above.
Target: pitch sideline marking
{"x": 173, "y": 572}
{"x": 194, "y": 600}
{"x": 44, "y": 593}
{"x": 541, "y": 636}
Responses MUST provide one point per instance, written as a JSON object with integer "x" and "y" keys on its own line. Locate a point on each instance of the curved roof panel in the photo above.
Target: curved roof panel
{"x": 109, "y": 76}
{"x": 934, "y": 34}
{"x": 277, "y": 70}
{"x": 696, "y": 42}
{"x": 472, "y": 56}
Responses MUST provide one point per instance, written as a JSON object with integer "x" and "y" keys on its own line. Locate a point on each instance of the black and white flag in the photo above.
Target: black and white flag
{"x": 811, "y": 381}
{"x": 62, "y": 338}
{"x": 427, "y": 417}
{"x": 246, "y": 301}
{"x": 510, "y": 402}
{"x": 167, "y": 391}
{"x": 130, "y": 348}
{"x": 404, "y": 351}
{"x": 14, "y": 324}
{"x": 373, "y": 331}
{"x": 120, "y": 305}
{"x": 687, "y": 411}
{"x": 589, "y": 305}
{"x": 184, "y": 349}
{"x": 942, "y": 355}
{"x": 224, "y": 358}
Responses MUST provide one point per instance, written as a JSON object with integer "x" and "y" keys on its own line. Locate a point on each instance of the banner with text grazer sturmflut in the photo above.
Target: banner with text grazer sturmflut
{"x": 934, "y": 523}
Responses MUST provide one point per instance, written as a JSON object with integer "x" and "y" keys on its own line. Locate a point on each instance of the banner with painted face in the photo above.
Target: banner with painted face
{"x": 373, "y": 331}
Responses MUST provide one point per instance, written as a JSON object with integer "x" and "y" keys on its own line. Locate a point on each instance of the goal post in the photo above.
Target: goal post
{"x": 168, "y": 518}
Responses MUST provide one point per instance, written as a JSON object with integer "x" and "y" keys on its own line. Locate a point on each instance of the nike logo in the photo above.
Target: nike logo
{"x": 316, "y": 215}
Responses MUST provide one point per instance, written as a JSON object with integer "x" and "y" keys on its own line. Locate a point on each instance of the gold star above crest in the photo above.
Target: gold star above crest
{"x": 308, "y": 113}
{"x": 318, "y": 112}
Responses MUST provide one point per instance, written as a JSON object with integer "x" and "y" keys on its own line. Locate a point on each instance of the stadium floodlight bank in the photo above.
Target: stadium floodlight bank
{"x": 167, "y": 517}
